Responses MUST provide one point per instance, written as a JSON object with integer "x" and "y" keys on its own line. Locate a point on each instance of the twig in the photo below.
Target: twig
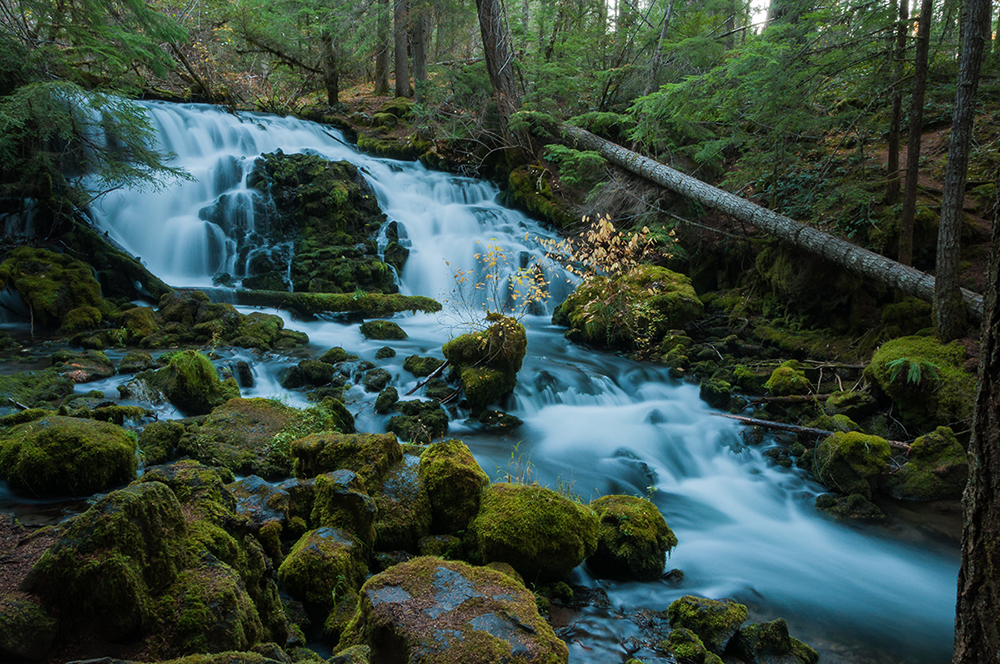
{"x": 428, "y": 379}
{"x": 798, "y": 429}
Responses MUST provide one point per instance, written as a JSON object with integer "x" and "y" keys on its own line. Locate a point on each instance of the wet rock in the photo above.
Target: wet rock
{"x": 66, "y": 456}
{"x": 713, "y": 621}
{"x": 259, "y": 500}
{"x": 136, "y": 361}
{"x": 403, "y": 508}
{"x": 853, "y": 507}
{"x": 341, "y": 502}
{"x": 429, "y": 609}
{"x": 787, "y": 380}
{"x": 770, "y": 643}
{"x": 419, "y": 422}
{"x": 320, "y": 561}
{"x": 26, "y": 629}
{"x": 685, "y": 646}
{"x": 337, "y": 355}
{"x": 385, "y": 353}
{"x": 853, "y": 404}
{"x": 386, "y": 399}
{"x": 382, "y": 330}
{"x": 190, "y": 382}
{"x": 60, "y": 291}
{"x": 454, "y": 483}
{"x": 421, "y": 366}
{"x": 850, "y": 462}
{"x": 633, "y": 539}
{"x": 244, "y": 375}
{"x": 488, "y": 361}
{"x": 937, "y": 468}
{"x": 83, "y": 367}
{"x": 369, "y": 455}
{"x": 540, "y": 533}
{"x": 376, "y": 379}
{"x": 497, "y": 421}
{"x": 158, "y": 441}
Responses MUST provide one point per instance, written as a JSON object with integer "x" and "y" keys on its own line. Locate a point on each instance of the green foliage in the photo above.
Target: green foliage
{"x": 577, "y": 168}
{"x": 916, "y": 371}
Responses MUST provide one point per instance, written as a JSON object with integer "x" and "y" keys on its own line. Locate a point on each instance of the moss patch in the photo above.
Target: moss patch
{"x": 848, "y": 461}
{"x": 713, "y": 621}
{"x": 937, "y": 468}
{"x": 52, "y": 285}
{"x": 633, "y": 539}
{"x": 454, "y": 483}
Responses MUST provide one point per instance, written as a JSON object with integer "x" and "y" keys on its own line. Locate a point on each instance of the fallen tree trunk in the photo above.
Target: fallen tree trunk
{"x": 865, "y": 263}
{"x": 794, "y": 428}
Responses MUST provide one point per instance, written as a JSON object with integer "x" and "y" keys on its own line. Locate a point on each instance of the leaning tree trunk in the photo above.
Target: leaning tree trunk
{"x": 905, "y": 254}
{"x": 401, "y": 30}
{"x": 654, "y": 66}
{"x": 849, "y": 256}
{"x": 949, "y": 314}
{"x": 499, "y": 60}
{"x": 977, "y": 630}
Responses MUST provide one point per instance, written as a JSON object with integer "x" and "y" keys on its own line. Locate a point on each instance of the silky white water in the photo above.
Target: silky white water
{"x": 594, "y": 422}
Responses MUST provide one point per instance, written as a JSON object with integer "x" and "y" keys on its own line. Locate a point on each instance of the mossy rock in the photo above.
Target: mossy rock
{"x": 342, "y": 502}
{"x": 83, "y": 367}
{"x": 108, "y": 562}
{"x": 190, "y": 382}
{"x": 138, "y": 323}
{"x": 370, "y": 455}
{"x": 431, "y": 610}
{"x": 454, "y": 482}
{"x": 770, "y": 643}
{"x": 529, "y": 188}
{"x": 254, "y": 436}
{"x": 788, "y": 381}
{"x": 685, "y": 646}
{"x": 376, "y": 379}
{"x": 853, "y": 507}
{"x": 382, "y": 330}
{"x": 853, "y": 404}
{"x": 401, "y": 107}
{"x": 52, "y": 285}
{"x": 27, "y": 631}
{"x": 403, "y": 508}
{"x": 713, "y": 621}
{"x": 387, "y": 120}
{"x": 158, "y": 441}
{"x": 716, "y": 392}
{"x": 540, "y": 533}
{"x": 386, "y": 399}
{"x": 488, "y": 360}
{"x": 937, "y": 468}
{"x": 337, "y": 355}
{"x": 35, "y": 388}
{"x": 649, "y": 302}
{"x": 418, "y": 422}
{"x": 925, "y": 379}
{"x": 136, "y": 361}
{"x": 633, "y": 539}
{"x": 849, "y": 462}
{"x": 324, "y": 562}
{"x": 421, "y": 366}
{"x": 67, "y": 456}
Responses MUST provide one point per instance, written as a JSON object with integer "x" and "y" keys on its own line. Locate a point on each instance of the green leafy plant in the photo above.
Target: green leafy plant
{"x": 916, "y": 371}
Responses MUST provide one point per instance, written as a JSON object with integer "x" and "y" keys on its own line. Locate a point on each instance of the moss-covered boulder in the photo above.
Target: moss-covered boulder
{"x": 403, "y": 507}
{"x": 633, "y": 539}
{"x": 638, "y": 308}
{"x": 27, "y": 631}
{"x": 936, "y": 468}
{"x": 110, "y": 561}
{"x": 341, "y": 502}
{"x": 713, "y": 621}
{"x": 367, "y": 454}
{"x": 136, "y": 361}
{"x": 386, "y": 399}
{"x": 770, "y": 643}
{"x": 925, "y": 379}
{"x": 254, "y": 436}
{"x": 421, "y": 366}
{"x": 52, "y": 285}
{"x": 487, "y": 361}
{"x": 685, "y": 646}
{"x": 382, "y": 330}
{"x": 190, "y": 382}
{"x": 851, "y": 462}
{"x": 418, "y": 422}
{"x": 454, "y": 483}
{"x": 431, "y": 610}
{"x": 540, "y": 533}
{"x": 137, "y": 322}
{"x": 788, "y": 380}
{"x": 323, "y": 563}
{"x": 529, "y": 188}
{"x": 67, "y": 456}
{"x": 853, "y": 404}
{"x": 158, "y": 441}
{"x": 35, "y": 388}
{"x": 83, "y": 367}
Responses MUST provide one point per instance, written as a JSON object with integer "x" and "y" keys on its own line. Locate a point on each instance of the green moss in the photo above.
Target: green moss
{"x": 401, "y": 107}
{"x": 713, "y": 621}
{"x": 322, "y": 564}
{"x": 848, "y": 461}
{"x": 853, "y": 507}
{"x": 67, "y": 456}
{"x": 382, "y": 330}
{"x": 52, "y": 285}
{"x": 853, "y": 404}
{"x": 403, "y": 508}
{"x": 83, "y": 367}
{"x": 35, "y": 388}
{"x": 685, "y": 646}
{"x": 138, "y": 322}
{"x": 528, "y": 188}
{"x": 419, "y": 422}
{"x": 454, "y": 482}
{"x": 26, "y": 629}
{"x": 371, "y": 305}
{"x": 341, "y": 503}
{"x": 80, "y": 319}
{"x": 421, "y": 366}
{"x": 386, "y": 399}
{"x": 158, "y": 441}
{"x": 538, "y": 532}
{"x": 488, "y": 360}
{"x": 787, "y": 381}
{"x": 191, "y": 383}
{"x": 633, "y": 539}
{"x": 937, "y": 468}
{"x": 716, "y": 393}
{"x": 369, "y": 455}
{"x": 925, "y": 380}
{"x": 336, "y": 355}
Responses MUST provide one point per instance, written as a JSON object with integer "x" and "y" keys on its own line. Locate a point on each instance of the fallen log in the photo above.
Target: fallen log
{"x": 865, "y": 263}
{"x": 794, "y": 428}
{"x": 367, "y": 305}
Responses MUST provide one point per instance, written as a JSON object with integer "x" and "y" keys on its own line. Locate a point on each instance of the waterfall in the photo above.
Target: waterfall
{"x": 594, "y": 422}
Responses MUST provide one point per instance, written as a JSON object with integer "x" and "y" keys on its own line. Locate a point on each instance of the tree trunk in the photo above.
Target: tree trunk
{"x": 421, "y": 20}
{"x": 905, "y": 255}
{"x": 949, "y": 314}
{"x": 654, "y": 67}
{"x": 977, "y": 631}
{"x": 331, "y": 73}
{"x": 851, "y": 257}
{"x": 401, "y": 32}
{"x": 382, "y": 50}
{"x": 899, "y": 56}
{"x": 499, "y": 60}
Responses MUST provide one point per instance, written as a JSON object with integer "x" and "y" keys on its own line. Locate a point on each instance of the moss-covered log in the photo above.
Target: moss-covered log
{"x": 369, "y": 305}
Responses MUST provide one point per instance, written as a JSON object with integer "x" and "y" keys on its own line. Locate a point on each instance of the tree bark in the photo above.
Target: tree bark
{"x": 331, "y": 72}
{"x": 499, "y": 60}
{"x": 949, "y": 314}
{"x": 905, "y": 255}
{"x": 421, "y": 19}
{"x": 866, "y": 263}
{"x": 977, "y": 630}
{"x": 382, "y": 49}
{"x": 896, "y": 118}
{"x": 654, "y": 67}
{"x": 401, "y": 33}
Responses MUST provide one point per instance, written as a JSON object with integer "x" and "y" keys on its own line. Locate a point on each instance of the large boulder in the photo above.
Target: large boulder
{"x": 454, "y": 482}
{"x": 35, "y": 388}
{"x": 27, "y": 631}
{"x": 633, "y": 539}
{"x": 341, "y": 502}
{"x": 83, "y": 367}
{"x": 770, "y": 643}
{"x": 418, "y": 422}
{"x": 488, "y": 360}
{"x": 190, "y": 382}
{"x": 540, "y": 533}
{"x": 370, "y": 455}
{"x": 403, "y": 507}
{"x": 435, "y": 611}
{"x": 936, "y": 468}
{"x": 851, "y": 462}
{"x": 67, "y": 456}
{"x": 715, "y": 622}
{"x": 323, "y": 563}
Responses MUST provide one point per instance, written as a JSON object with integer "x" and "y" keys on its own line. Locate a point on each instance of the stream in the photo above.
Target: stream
{"x": 594, "y": 423}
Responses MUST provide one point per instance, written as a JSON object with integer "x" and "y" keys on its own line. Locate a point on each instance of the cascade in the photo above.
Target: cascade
{"x": 594, "y": 422}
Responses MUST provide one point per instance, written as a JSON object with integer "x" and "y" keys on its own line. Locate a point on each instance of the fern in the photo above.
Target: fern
{"x": 916, "y": 371}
